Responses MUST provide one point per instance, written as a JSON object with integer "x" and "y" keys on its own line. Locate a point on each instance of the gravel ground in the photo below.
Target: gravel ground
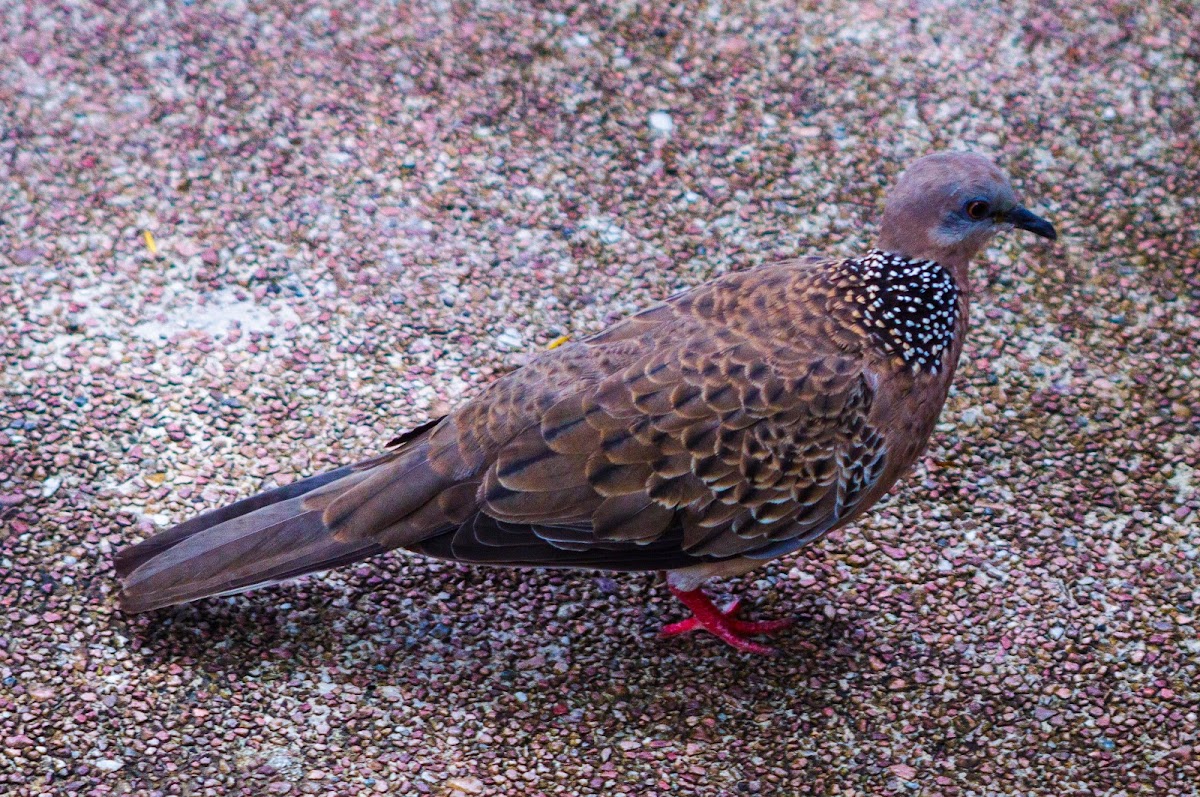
{"x": 242, "y": 243}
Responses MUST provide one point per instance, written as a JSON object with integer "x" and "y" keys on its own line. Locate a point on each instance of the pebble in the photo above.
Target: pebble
{"x": 467, "y": 785}
{"x": 661, "y": 122}
{"x": 510, "y": 340}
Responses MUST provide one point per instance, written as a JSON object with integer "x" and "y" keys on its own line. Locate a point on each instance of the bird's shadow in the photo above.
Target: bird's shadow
{"x": 384, "y": 628}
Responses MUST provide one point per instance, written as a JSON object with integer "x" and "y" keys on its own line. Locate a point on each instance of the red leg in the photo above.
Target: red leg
{"x": 722, "y": 624}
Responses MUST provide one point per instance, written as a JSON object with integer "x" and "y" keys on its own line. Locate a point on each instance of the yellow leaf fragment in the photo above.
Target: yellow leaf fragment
{"x": 560, "y": 340}
{"x": 151, "y": 244}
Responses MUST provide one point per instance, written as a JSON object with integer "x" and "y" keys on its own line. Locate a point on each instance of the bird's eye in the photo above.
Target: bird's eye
{"x": 977, "y": 210}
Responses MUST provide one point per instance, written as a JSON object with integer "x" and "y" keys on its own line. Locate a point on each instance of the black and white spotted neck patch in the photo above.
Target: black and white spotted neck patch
{"x": 908, "y": 306}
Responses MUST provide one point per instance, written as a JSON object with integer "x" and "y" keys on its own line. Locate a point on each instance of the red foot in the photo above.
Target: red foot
{"x": 722, "y": 624}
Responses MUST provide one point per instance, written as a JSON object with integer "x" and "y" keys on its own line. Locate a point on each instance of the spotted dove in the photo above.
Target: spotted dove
{"x": 732, "y": 424}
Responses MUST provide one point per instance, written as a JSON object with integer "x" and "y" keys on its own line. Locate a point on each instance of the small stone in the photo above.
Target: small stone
{"x": 805, "y": 579}
{"x": 467, "y": 785}
{"x": 510, "y": 340}
{"x": 109, "y": 764}
{"x": 187, "y": 247}
{"x": 661, "y": 122}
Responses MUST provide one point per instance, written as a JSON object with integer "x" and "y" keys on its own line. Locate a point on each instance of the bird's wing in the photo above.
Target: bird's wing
{"x": 731, "y": 420}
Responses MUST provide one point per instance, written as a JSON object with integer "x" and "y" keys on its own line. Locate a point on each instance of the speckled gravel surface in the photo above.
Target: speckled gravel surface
{"x": 359, "y": 214}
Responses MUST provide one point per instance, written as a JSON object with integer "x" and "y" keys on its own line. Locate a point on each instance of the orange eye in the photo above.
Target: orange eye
{"x": 977, "y": 210}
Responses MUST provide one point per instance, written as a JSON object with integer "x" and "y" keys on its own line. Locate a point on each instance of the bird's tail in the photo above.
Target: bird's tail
{"x": 267, "y": 538}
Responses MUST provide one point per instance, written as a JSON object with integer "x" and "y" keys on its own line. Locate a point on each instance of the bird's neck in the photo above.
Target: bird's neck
{"x": 954, "y": 260}
{"x": 909, "y": 308}
{"x": 913, "y": 242}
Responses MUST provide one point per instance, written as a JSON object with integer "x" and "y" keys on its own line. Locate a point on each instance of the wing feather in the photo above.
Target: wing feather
{"x": 722, "y": 423}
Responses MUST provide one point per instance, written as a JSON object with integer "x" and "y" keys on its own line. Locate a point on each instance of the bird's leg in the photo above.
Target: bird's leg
{"x": 723, "y": 624}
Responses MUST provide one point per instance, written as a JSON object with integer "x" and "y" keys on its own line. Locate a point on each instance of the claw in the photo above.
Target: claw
{"x": 724, "y": 625}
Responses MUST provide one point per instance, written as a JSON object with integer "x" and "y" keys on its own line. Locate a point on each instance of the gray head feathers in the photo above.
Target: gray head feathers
{"x": 947, "y": 206}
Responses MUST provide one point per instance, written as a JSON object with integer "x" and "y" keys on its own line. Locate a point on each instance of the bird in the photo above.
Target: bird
{"x": 731, "y": 424}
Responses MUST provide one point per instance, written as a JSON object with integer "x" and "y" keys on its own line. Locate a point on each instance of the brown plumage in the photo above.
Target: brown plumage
{"x": 729, "y": 425}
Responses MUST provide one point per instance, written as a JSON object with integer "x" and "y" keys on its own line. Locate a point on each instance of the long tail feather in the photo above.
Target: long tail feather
{"x": 276, "y": 543}
{"x": 267, "y": 538}
{"x": 129, "y": 559}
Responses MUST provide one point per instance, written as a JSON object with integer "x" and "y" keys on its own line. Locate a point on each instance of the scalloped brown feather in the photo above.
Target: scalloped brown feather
{"x": 740, "y": 415}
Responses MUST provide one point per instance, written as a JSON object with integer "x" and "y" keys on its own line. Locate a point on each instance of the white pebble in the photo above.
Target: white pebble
{"x": 510, "y": 340}
{"x": 661, "y": 122}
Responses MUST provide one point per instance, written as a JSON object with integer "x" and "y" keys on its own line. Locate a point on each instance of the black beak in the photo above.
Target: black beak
{"x": 1023, "y": 219}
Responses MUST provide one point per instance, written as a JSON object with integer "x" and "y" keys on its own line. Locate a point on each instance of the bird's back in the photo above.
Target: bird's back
{"x": 742, "y": 417}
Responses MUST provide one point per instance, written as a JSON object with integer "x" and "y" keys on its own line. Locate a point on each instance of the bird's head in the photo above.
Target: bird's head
{"x": 947, "y": 206}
